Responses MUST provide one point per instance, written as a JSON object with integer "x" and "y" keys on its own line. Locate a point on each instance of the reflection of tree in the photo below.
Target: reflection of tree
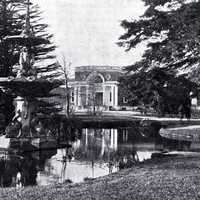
{"x": 172, "y": 144}
{"x": 123, "y": 158}
{"x": 69, "y": 130}
{"x": 43, "y": 156}
{"x": 64, "y": 165}
{"x": 29, "y": 170}
{"x": 9, "y": 169}
{"x": 22, "y": 168}
{"x": 68, "y": 155}
{"x": 6, "y": 110}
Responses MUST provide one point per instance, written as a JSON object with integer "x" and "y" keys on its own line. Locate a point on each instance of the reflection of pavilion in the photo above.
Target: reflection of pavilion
{"x": 95, "y": 85}
{"x": 107, "y": 139}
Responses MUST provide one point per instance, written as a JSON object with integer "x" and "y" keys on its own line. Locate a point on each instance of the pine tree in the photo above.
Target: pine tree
{"x": 10, "y": 24}
{"x": 13, "y": 15}
{"x": 44, "y": 53}
{"x": 171, "y": 29}
{"x": 158, "y": 89}
{"x": 45, "y": 62}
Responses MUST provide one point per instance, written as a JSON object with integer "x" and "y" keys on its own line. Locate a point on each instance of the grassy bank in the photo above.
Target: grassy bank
{"x": 163, "y": 178}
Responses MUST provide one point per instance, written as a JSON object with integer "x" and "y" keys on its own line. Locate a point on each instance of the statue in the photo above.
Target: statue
{"x": 26, "y": 85}
{"x": 26, "y": 63}
{"x": 15, "y": 125}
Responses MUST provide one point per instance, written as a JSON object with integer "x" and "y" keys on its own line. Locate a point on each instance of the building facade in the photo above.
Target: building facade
{"x": 95, "y": 86}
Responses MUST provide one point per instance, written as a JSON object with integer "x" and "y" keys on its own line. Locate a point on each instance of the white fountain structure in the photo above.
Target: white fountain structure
{"x": 26, "y": 85}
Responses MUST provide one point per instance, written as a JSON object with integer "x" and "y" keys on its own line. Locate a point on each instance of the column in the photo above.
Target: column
{"x": 116, "y": 95}
{"x": 113, "y": 95}
{"x": 87, "y": 94}
{"x": 79, "y": 95}
{"x": 104, "y": 95}
{"x": 75, "y": 96}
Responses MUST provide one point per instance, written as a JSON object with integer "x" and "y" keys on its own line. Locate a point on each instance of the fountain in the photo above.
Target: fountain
{"x": 26, "y": 86}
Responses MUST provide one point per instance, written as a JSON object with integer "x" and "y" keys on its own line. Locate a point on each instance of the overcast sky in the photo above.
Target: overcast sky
{"x": 86, "y": 31}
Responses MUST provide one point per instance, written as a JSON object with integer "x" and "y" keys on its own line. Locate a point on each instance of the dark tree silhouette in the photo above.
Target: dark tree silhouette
{"x": 13, "y": 15}
{"x": 171, "y": 29}
{"x": 159, "y": 89}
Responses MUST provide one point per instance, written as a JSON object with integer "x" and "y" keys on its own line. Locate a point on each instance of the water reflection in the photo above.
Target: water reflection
{"x": 74, "y": 170}
{"x": 21, "y": 169}
{"x": 94, "y": 153}
{"x": 4, "y": 142}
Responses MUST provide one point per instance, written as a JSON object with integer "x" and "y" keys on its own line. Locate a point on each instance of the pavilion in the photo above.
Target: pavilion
{"x": 96, "y": 86}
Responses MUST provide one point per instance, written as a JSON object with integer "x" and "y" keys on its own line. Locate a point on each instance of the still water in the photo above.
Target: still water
{"x": 93, "y": 153}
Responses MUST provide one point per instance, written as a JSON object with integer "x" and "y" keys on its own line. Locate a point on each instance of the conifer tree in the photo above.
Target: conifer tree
{"x": 10, "y": 24}
{"x": 13, "y": 15}
{"x": 171, "y": 29}
{"x": 44, "y": 53}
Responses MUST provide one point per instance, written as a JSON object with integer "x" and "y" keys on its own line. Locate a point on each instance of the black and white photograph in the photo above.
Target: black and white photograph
{"x": 99, "y": 99}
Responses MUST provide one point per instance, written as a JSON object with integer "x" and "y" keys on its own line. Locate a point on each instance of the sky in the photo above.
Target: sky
{"x": 86, "y": 31}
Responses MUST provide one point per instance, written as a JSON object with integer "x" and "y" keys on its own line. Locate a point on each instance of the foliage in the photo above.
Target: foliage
{"x": 44, "y": 53}
{"x": 13, "y": 15}
{"x": 10, "y": 24}
{"x": 159, "y": 89}
{"x": 65, "y": 71}
{"x": 10, "y": 13}
{"x": 171, "y": 29}
{"x": 6, "y": 110}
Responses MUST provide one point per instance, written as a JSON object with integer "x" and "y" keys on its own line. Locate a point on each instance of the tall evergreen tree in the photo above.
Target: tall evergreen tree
{"x": 171, "y": 29}
{"x": 10, "y": 24}
{"x": 13, "y": 15}
{"x": 44, "y": 53}
{"x": 159, "y": 89}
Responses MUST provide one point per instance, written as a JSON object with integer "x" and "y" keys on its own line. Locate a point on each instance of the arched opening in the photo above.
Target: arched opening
{"x": 95, "y": 89}
{"x": 95, "y": 78}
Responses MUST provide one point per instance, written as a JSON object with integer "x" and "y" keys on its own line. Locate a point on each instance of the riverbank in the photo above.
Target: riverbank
{"x": 161, "y": 178}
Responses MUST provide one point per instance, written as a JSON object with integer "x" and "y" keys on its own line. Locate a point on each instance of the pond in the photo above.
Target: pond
{"x": 91, "y": 153}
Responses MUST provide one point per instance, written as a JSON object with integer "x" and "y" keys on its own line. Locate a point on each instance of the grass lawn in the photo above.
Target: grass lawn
{"x": 161, "y": 178}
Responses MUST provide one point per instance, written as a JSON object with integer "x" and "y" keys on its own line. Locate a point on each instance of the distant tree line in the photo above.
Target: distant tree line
{"x": 158, "y": 89}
